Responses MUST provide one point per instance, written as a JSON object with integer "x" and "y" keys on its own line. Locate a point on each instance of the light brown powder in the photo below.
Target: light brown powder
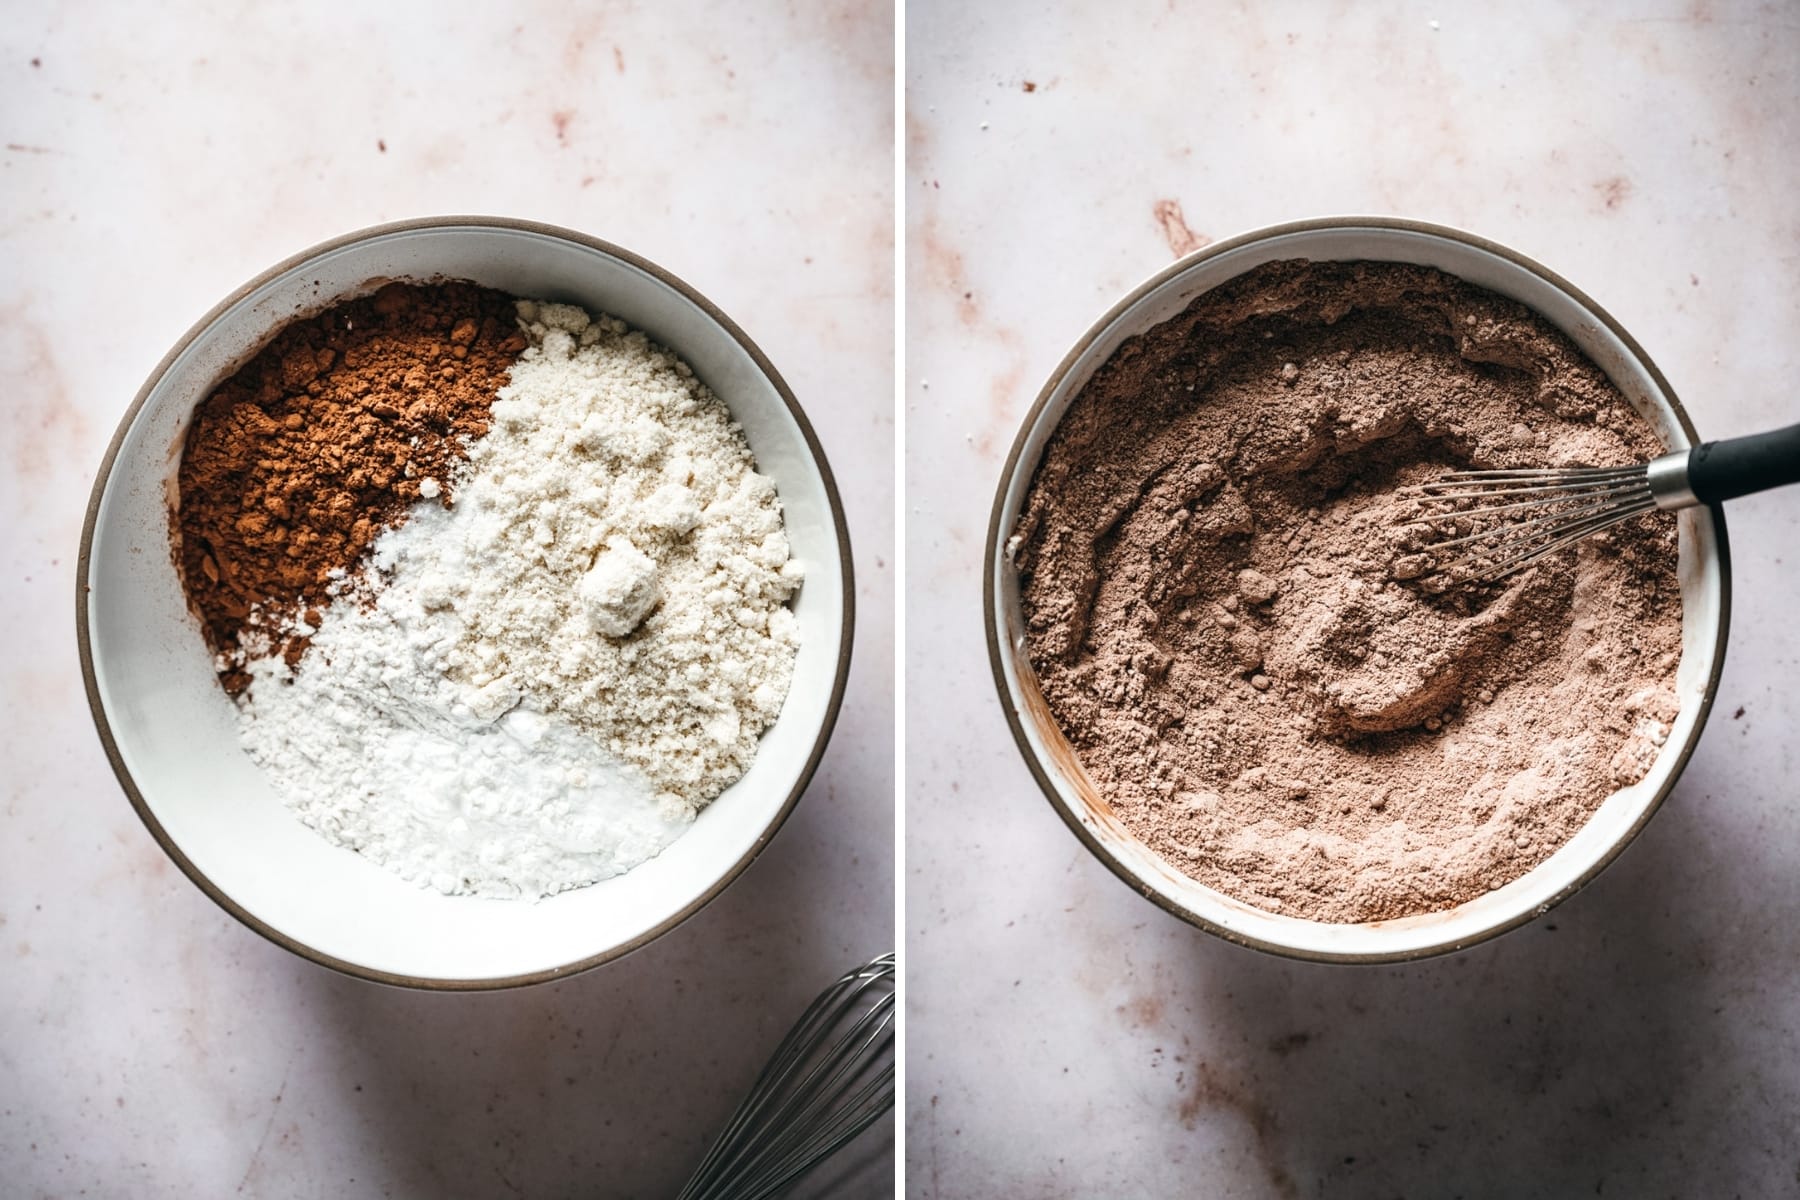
{"x": 1242, "y": 644}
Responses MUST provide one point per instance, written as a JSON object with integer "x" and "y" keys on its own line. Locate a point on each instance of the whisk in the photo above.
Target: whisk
{"x": 1519, "y": 516}
{"x": 830, "y": 1079}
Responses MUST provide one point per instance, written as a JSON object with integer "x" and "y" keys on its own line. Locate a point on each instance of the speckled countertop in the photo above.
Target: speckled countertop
{"x": 1065, "y": 1037}
{"x": 149, "y": 1045}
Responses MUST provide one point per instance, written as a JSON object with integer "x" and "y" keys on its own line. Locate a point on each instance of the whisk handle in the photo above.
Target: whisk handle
{"x": 1738, "y": 466}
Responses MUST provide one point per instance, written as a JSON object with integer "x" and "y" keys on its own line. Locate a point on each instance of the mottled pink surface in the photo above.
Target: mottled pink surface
{"x": 1066, "y": 1038}
{"x": 149, "y": 1045}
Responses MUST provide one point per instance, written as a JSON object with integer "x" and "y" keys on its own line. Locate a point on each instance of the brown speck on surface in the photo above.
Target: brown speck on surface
{"x": 1281, "y": 1047}
{"x": 1028, "y": 86}
{"x": 1738, "y": 715}
{"x": 1693, "y": 281}
{"x": 587, "y": 181}
{"x": 1182, "y": 240}
{"x": 560, "y": 119}
{"x": 381, "y": 145}
{"x": 619, "y": 59}
{"x": 37, "y": 62}
{"x": 1143, "y": 1011}
{"x": 1613, "y": 191}
{"x": 23, "y": 149}
{"x": 1212, "y": 1089}
{"x": 945, "y": 265}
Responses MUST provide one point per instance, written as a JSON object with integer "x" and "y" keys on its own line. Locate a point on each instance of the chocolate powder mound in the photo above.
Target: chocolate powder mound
{"x": 1256, "y": 668}
{"x": 297, "y": 462}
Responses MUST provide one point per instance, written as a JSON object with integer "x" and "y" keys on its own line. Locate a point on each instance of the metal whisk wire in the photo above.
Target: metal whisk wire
{"x": 828, "y": 1080}
{"x": 1521, "y": 515}
{"x": 1529, "y": 513}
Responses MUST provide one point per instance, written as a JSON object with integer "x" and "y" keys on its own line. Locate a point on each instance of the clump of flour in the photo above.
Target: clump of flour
{"x": 543, "y": 677}
{"x": 606, "y": 452}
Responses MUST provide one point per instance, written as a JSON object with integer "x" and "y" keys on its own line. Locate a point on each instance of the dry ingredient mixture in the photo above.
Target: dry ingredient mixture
{"x": 565, "y": 625}
{"x": 1267, "y": 682}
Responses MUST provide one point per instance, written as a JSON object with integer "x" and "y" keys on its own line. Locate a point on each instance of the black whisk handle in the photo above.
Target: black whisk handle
{"x": 1738, "y": 466}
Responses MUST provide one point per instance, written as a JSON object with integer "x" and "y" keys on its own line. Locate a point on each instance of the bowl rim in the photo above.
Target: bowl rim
{"x": 846, "y": 632}
{"x": 999, "y": 654}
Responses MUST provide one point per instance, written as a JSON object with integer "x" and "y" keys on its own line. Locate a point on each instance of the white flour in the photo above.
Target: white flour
{"x": 538, "y": 685}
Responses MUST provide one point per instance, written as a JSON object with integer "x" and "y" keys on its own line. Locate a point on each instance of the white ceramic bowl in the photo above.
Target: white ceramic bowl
{"x": 168, "y": 728}
{"x": 1703, "y": 568}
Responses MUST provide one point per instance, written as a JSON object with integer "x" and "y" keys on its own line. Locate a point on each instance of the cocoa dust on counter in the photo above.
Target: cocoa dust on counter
{"x": 1262, "y": 678}
{"x": 297, "y": 463}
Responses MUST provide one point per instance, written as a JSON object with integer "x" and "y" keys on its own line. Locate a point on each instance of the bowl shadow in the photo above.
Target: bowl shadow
{"x": 1577, "y": 1055}
{"x": 612, "y": 1082}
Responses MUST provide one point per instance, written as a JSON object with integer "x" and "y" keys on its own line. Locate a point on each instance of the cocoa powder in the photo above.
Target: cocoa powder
{"x": 297, "y": 462}
{"x": 1235, "y": 631}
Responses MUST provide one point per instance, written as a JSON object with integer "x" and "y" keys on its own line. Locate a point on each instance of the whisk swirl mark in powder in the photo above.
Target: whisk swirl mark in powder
{"x": 1242, "y": 642}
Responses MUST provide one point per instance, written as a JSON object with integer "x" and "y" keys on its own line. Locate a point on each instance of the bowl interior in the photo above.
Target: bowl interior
{"x": 171, "y": 726}
{"x": 1700, "y": 567}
